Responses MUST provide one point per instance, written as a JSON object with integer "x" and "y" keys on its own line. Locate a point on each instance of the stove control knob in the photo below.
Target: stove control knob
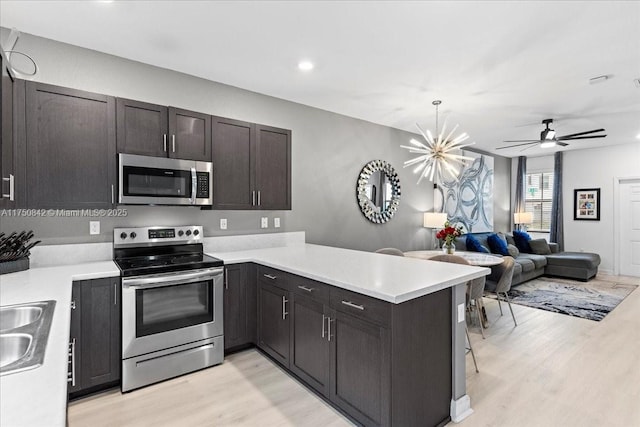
{"x": 188, "y": 232}
{"x": 123, "y": 235}
{"x": 133, "y": 235}
{"x": 180, "y": 233}
{"x": 196, "y": 232}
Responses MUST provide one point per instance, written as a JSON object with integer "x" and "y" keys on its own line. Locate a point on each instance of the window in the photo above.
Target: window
{"x": 538, "y": 199}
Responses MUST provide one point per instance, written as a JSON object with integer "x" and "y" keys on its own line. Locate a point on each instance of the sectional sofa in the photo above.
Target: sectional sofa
{"x": 573, "y": 265}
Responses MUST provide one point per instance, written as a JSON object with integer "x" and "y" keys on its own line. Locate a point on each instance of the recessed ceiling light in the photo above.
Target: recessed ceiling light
{"x": 638, "y": 136}
{"x": 305, "y": 65}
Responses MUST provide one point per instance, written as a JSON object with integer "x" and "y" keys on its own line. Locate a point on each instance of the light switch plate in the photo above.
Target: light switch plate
{"x": 276, "y": 222}
{"x": 264, "y": 222}
{"x": 460, "y": 313}
{"x": 223, "y": 223}
{"x": 94, "y": 227}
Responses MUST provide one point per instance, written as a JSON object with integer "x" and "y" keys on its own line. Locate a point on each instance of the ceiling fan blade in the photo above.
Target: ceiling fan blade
{"x": 527, "y": 148}
{"x": 562, "y": 144}
{"x": 523, "y": 140}
{"x": 581, "y": 137}
{"x": 517, "y": 145}
{"x": 581, "y": 133}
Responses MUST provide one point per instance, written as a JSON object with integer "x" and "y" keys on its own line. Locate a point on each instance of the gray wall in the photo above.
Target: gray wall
{"x": 328, "y": 151}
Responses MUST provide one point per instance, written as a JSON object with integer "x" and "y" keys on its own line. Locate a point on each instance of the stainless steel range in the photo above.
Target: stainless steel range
{"x": 172, "y": 299}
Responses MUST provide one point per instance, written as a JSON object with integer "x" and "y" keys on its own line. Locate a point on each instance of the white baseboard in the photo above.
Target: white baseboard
{"x": 460, "y": 408}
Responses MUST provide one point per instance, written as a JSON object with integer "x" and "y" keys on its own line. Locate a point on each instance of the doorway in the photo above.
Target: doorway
{"x": 628, "y": 222}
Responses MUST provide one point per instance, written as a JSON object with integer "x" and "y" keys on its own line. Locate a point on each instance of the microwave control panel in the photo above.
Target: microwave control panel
{"x": 202, "y": 190}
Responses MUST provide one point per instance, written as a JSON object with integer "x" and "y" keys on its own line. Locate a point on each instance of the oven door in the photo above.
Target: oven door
{"x": 168, "y": 310}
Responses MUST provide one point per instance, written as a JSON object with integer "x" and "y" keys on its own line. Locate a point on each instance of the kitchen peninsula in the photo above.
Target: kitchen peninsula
{"x": 379, "y": 337}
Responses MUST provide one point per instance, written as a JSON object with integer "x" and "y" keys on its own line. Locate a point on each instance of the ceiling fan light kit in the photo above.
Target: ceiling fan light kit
{"x": 549, "y": 139}
{"x": 437, "y": 157}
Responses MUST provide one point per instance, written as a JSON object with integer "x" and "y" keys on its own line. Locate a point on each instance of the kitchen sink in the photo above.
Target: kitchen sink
{"x": 13, "y": 347}
{"x": 14, "y": 317}
{"x": 24, "y": 331}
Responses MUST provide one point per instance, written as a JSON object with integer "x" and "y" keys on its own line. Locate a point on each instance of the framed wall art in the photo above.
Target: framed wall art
{"x": 586, "y": 204}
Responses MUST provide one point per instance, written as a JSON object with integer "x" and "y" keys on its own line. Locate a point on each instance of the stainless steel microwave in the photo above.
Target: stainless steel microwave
{"x": 145, "y": 180}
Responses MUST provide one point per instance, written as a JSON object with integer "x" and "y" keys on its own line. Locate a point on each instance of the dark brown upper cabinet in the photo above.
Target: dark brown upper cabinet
{"x": 7, "y": 162}
{"x": 159, "y": 131}
{"x": 70, "y": 148}
{"x": 251, "y": 166}
{"x": 273, "y": 168}
{"x": 233, "y": 164}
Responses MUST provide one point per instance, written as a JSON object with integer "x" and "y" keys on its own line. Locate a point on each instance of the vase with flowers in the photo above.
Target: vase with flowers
{"x": 448, "y": 236}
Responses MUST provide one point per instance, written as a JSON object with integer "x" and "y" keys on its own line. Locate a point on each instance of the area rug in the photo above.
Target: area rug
{"x": 591, "y": 300}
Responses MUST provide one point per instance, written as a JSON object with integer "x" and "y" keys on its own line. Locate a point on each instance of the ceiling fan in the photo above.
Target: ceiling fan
{"x": 549, "y": 139}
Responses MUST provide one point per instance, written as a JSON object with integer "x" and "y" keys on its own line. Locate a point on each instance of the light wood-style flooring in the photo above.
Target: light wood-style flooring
{"x": 551, "y": 370}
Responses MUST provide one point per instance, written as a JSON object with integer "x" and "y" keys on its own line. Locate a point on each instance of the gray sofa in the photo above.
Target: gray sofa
{"x": 574, "y": 265}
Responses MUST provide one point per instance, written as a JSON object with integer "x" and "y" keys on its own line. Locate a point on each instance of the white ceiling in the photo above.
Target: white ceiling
{"x": 500, "y": 67}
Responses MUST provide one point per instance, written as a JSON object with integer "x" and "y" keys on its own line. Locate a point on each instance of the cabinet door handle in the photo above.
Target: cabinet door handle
{"x": 72, "y": 380}
{"x": 269, "y": 276}
{"x": 12, "y": 187}
{"x": 253, "y": 198}
{"x": 284, "y": 307}
{"x": 329, "y": 320}
{"x": 173, "y": 143}
{"x": 352, "y": 305}
{"x": 323, "y": 319}
{"x": 304, "y": 288}
{"x": 258, "y": 197}
{"x": 226, "y": 278}
{"x": 115, "y": 294}
{"x": 112, "y": 196}
{"x": 164, "y": 142}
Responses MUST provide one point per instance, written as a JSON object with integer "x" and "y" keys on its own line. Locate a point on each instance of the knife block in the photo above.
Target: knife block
{"x": 13, "y": 266}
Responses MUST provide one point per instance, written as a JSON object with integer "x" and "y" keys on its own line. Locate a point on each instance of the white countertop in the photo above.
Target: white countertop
{"x": 38, "y": 397}
{"x": 386, "y": 277}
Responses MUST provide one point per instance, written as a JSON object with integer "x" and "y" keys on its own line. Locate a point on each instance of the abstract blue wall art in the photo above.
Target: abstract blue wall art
{"x": 468, "y": 200}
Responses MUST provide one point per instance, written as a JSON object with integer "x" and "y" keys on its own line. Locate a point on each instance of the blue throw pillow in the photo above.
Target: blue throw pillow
{"x": 497, "y": 244}
{"x": 522, "y": 241}
{"x": 474, "y": 245}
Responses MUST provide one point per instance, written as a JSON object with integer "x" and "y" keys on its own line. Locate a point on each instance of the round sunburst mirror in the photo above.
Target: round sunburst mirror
{"x": 378, "y": 191}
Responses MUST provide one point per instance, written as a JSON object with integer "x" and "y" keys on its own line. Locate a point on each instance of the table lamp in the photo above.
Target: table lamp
{"x": 434, "y": 220}
{"x": 522, "y": 218}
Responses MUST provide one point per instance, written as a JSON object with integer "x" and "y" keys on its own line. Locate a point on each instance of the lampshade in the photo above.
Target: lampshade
{"x": 522, "y": 218}
{"x": 434, "y": 219}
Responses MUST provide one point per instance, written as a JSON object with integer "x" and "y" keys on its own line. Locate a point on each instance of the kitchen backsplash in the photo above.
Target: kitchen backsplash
{"x": 53, "y": 255}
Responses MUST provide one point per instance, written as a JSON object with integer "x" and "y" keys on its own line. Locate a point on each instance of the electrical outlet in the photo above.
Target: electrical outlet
{"x": 264, "y": 222}
{"x": 460, "y": 313}
{"x": 276, "y": 222}
{"x": 223, "y": 224}
{"x": 94, "y": 227}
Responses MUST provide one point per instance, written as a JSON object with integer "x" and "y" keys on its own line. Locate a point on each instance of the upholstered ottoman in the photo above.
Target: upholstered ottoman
{"x": 575, "y": 265}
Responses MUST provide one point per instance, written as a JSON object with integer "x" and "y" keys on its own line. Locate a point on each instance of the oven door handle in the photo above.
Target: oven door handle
{"x": 181, "y": 278}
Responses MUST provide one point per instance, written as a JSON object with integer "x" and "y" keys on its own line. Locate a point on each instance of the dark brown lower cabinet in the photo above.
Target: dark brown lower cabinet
{"x": 239, "y": 306}
{"x": 274, "y": 324}
{"x": 94, "y": 353}
{"x": 381, "y": 364}
{"x": 310, "y": 356}
{"x": 360, "y": 369}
